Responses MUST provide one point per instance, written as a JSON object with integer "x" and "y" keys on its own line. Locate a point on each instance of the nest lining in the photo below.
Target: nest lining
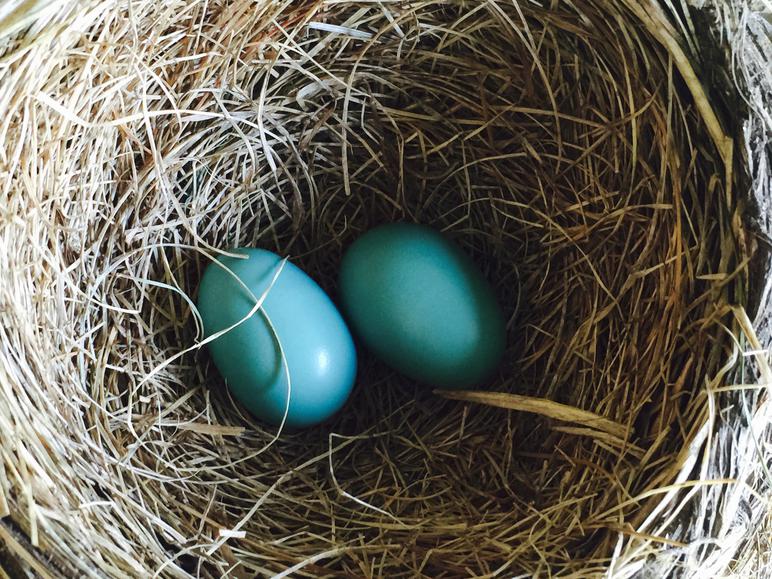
{"x": 559, "y": 147}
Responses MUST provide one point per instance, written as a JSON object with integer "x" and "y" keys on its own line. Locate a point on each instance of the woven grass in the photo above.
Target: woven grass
{"x": 572, "y": 150}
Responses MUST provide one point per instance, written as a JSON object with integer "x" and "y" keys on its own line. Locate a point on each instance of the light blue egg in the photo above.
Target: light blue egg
{"x": 319, "y": 351}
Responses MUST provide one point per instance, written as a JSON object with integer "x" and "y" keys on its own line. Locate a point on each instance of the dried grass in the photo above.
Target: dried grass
{"x": 571, "y": 150}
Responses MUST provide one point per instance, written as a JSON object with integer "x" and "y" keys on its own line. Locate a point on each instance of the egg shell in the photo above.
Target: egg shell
{"x": 316, "y": 342}
{"x": 422, "y": 306}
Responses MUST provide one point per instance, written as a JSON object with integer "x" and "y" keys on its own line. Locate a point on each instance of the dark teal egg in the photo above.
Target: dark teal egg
{"x": 420, "y": 304}
{"x": 317, "y": 345}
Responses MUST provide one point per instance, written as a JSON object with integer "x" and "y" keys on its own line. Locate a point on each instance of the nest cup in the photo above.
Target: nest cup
{"x": 571, "y": 149}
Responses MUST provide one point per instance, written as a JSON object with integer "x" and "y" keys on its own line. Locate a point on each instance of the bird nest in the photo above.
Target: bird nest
{"x": 569, "y": 149}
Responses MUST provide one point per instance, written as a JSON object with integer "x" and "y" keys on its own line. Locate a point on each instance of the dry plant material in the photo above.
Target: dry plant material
{"x": 539, "y": 406}
{"x": 561, "y": 146}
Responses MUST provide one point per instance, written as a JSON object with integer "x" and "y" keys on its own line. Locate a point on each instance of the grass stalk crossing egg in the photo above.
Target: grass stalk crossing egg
{"x": 296, "y": 319}
{"x": 420, "y": 304}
